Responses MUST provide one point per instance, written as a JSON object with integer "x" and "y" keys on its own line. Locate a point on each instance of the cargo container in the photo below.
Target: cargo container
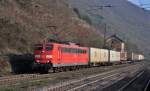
{"x": 123, "y": 56}
{"x": 114, "y": 56}
{"x": 104, "y": 55}
{"x": 140, "y": 57}
{"x": 95, "y": 56}
{"x": 135, "y": 57}
{"x": 98, "y": 56}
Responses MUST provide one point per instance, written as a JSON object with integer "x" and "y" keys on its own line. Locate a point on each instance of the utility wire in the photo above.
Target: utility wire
{"x": 99, "y": 7}
{"x": 146, "y": 7}
{"x": 145, "y": 4}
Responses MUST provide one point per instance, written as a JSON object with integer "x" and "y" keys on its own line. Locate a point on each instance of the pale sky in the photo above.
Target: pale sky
{"x": 145, "y": 3}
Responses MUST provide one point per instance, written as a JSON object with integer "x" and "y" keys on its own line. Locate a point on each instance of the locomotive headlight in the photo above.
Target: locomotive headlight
{"x": 37, "y": 56}
{"x": 48, "y": 56}
{"x": 38, "y": 61}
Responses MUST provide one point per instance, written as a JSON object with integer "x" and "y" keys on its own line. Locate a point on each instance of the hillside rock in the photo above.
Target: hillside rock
{"x": 25, "y": 22}
{"x": 122, "y": 18}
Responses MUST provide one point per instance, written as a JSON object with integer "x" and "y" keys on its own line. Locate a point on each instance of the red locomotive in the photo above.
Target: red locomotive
{"x": 54, "y": 55}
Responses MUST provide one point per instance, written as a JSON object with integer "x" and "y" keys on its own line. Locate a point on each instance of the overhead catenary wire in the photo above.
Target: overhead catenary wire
{"x": 145, "y": 4}
{"x": 96, "y": 7}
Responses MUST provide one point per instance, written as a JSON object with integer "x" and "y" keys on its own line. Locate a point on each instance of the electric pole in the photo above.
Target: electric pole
{"x": 105, "y": 31}
{"x": 105, "y": 25}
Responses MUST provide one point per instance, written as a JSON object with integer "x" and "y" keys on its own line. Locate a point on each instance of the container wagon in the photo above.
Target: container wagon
{"x": 135, "y": 57}
{"x": 95, "y": 57}
{"x": 114, "y": 57}
{"x": 123, "y": 56}
{"x": 98, "y": 56}
{"x": 104, "y": 56}
{"x": 140, "y": 57}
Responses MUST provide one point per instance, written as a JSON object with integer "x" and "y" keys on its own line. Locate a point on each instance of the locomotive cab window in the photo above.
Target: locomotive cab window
{"x": 49, "y": 47}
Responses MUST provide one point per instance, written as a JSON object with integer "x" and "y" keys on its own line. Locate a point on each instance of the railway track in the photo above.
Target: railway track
{"x": 140, "y": 82}
{"x": 127, "y": 85}
{"x": 69, "y": 85}
{"x": 24, "y": 77}
{"x": 92, "y": 82}
{"x": 136, "y": 82}
{"x": 147, "y": 87}
{"x": 13, "y": 79}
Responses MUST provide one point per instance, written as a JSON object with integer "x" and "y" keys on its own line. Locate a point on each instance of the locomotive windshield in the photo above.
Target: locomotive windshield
{"x": 49, "y": 47}
{"x": 45, "y": 47}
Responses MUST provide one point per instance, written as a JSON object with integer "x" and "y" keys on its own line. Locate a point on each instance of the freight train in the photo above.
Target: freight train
{"x": 72, "y": 56}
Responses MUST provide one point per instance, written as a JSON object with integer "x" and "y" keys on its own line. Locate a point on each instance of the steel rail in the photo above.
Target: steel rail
{"x": 146, "y": 87}
{"x": 131, "y": 81}
{"x": 81, "y": 80}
